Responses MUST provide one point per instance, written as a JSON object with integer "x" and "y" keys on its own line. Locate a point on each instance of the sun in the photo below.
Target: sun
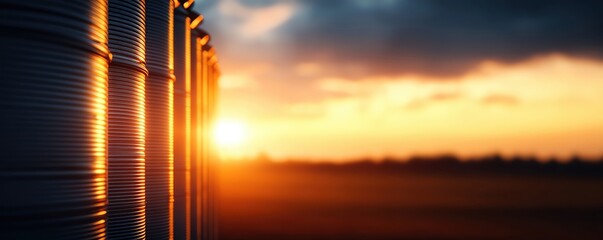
{"x": 229, "y": 133}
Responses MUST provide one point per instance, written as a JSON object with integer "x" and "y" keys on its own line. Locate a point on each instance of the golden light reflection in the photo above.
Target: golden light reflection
{"x": 98, "y": 140}
{"x": 187, "y": 119}
{"x": 196, "y": 22}
{"x": 171, "y": 154}
{"x": 98, "y": 132}
{"x": 188, "y": 4}
{"x": 198, "y": 131}
{"x": 204, "y": 40}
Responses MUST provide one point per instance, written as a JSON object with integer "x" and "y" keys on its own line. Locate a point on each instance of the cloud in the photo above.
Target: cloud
{"x": 232, "y": 81}
{"x": 546, "y": 80}
{"x": 527, "y": 73}
{"x": 550, "y": 104}
{"x": 355, "y": 39}
{"x": 439, "y": 37}
{"x": 308, "y": 69}
{"x": 254, "y": 21}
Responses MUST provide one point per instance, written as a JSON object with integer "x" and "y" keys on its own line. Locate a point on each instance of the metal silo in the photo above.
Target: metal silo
{"x": 126, "y": 165}
{"x": 182, "y": 121}
{"x": 206, "y": 143}
{"x": 208, "y": 184}
{"x": 53, "y": 117}
{"x": 159, "y": 119}
{"x": 213, "y": 155}
{"x": 199, "y": 39}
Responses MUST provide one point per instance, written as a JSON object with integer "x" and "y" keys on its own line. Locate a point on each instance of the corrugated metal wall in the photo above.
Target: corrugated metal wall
{"x": 200, "y": 38}
{"x": 182, "y": 126}
{"x": 213, "y": 155}
{"x": 209, "y": 156}
{"x": 127, "y": 75}
{"x": 53, "y": 119}
{"x": 159, "y": 120}
{"x": 88, "y": 95}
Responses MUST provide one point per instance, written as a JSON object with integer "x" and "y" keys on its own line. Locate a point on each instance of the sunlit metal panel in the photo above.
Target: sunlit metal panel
{"x": 199, "y": 39}
{"x": 206, "y": 137}
{"x": 126, "y": 166}
{"x": 213, "y": 156}
{"x": 159, "y": 119}
{"x": 53, "y": 119}
{"x": 182, "y": 129}
{"x": 209, "y": 156}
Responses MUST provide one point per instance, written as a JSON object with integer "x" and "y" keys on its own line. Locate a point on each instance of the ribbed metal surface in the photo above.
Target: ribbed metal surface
{"x": 182, "y": 130}
{"x": 212, "y": 160}
{"x": 53, "y": 98}
{"x": 126, "y": 166}
{"x": 209, "y": 156}
{"x": 159, "y": 119}
{"x": 206, "y": 137}
{"x": 198, "y": 40}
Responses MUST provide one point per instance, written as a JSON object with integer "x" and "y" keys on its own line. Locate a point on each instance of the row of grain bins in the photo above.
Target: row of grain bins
{"x": 106, "y": 109}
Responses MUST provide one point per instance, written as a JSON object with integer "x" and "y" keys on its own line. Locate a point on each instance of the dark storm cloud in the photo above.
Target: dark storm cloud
{"x": 440, "y": 37}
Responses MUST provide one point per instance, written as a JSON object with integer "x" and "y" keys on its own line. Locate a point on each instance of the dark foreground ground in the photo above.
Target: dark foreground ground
{"x": 445, "y": 200}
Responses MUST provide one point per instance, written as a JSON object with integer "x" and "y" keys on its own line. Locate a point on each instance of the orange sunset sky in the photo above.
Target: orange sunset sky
{"x": 347, "y": 79}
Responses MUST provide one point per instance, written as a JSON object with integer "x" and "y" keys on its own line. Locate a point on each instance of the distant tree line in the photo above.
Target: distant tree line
{"x": 447, "y": 164}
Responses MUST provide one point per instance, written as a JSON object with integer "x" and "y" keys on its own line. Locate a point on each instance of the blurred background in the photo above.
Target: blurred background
{"x": 400, "y": 119}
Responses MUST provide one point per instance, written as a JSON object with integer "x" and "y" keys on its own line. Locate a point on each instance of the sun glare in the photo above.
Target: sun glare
{"x": 229, "y": 133}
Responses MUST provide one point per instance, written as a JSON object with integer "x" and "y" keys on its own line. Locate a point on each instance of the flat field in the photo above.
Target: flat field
{"x": 303, "y": 201}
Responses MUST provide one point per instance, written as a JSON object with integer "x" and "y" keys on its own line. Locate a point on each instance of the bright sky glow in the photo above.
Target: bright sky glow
{"x": 229, "y": 133}
{"x": 342, "y": 80}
